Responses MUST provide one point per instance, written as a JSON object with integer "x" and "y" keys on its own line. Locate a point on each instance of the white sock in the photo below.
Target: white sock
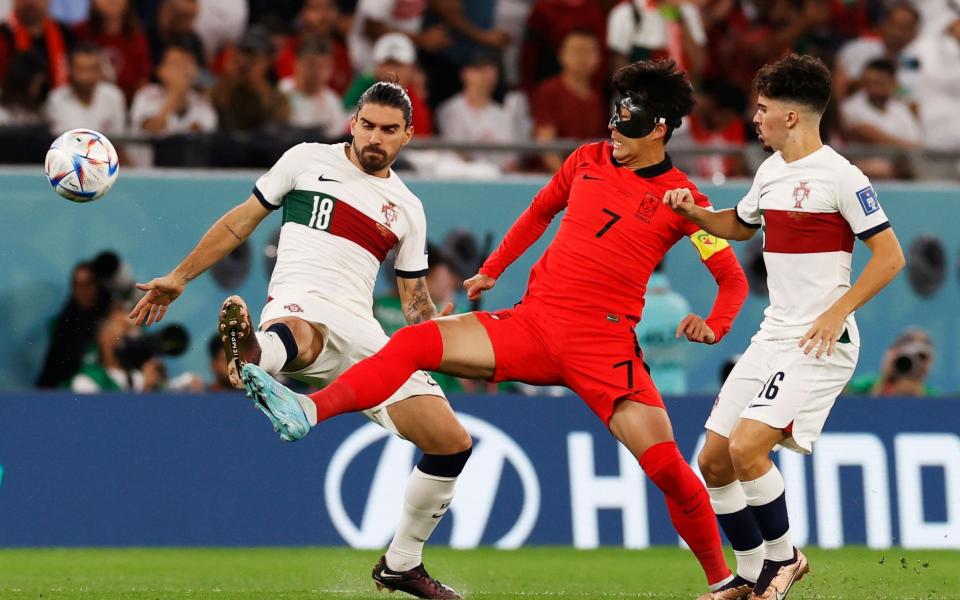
{"x": 424, "y": 504}
{"x": 273, "y": 354}
{"x": 764, "y": 490}
{"x": 727, "y": 500}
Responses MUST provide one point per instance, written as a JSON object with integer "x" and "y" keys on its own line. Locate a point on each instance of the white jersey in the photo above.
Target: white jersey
{"x": 810, "y": 210}
{"x": 339, "y": 223}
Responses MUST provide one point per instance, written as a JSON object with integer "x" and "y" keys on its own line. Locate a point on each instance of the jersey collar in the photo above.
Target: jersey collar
{"x": 653, "y": 170}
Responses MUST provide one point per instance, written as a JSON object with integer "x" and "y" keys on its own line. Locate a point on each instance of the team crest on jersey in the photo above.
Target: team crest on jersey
{"x": 390, "y": 213}
{"x": 648, "y": 206}
{"x": 800, "y": 193}
{"x": 294, "y": 308}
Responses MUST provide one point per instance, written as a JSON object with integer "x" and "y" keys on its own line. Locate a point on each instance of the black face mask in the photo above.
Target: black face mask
{"x": 640, "y": 123}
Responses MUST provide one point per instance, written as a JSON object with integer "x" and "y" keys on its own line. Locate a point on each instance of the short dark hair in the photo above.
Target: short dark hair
{"x": 388, "y": 93}
{"x": 660, "y": 86}
{"x": 85, "y": 47}
{"x": 901, "y": 5}
{"x": 882, "y": 64}
{"x": 799, "y": 78}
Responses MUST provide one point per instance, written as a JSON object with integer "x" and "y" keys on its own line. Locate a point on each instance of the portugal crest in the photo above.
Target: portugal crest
{"x": 800, "y": 193}
{"x": 390, "y": 213}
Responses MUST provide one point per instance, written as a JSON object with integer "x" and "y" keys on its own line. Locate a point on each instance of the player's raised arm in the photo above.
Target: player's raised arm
{"x": 726, "y": 224}
{"x": 223, "y": 237}
{"x": 528, "y": 228}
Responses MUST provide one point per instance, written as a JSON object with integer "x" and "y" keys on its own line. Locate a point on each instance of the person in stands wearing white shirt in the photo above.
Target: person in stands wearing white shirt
{"x": 312, "y": 102}
{"x": 474, "y": 115}
{"x": 938, "y": 88}
{"x": 812, "y": 204}
{"x": 172, "y": 106}
{"x": 897, "y": 30}
{"x": 874, "y": 115}
{"x": 87, "y": 101}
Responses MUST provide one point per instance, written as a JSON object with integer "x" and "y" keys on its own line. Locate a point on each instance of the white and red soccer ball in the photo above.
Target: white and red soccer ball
{"x": 82, "y": 165}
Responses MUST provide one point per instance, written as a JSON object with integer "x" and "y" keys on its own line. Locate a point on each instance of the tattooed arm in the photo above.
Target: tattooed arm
{"x": 416, "y": 302}
{"x": 221, "y": 239}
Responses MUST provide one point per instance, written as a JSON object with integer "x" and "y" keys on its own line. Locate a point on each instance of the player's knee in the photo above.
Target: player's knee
{"x": 716, "y": 468}
{"x": 744, "y": 456}
{"x": 445, "y": 465}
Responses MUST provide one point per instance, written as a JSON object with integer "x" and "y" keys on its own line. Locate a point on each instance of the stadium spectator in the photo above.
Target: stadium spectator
{"x": 219, "y": 378}
{"x": 904, "y": 370}
{"x": 549, "y": 23}
{"x": 88, "y": 101}
{"x": 30, "y": 27}
{"x": 875, "y": 116}
{"x": 474, "y": 115}
{"x": 938, "y": 87}
{"x": 175, "y": 24}
{"x": 25, "y": 89}
{"x": 644, "y": 29}
{"x": 220, "y": 23}
{"x": 567, "y": 106}
{"x": 663, "y": 352}
{"x": 375, "y": 18}
{"x": 172, "y": 106}
{"x": 106, "y": 373}
{"x": 510, "y": 16}
{"x": 471, "y": 27}
{"x": 312, "y": 102}
{"x": 113, "y": 25}
{"x": 318, "y": 20}
{"x": 395, "y": 58}
{"x": 896, "y": 31}
{"x": 716, "y": 121}
{"x": 72, "y": 330}
{"x": 245, "y": 96}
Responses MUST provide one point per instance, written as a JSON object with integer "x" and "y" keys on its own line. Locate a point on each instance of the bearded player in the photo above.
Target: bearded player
{"x": 575, "y": 324}
{"x": 811, "y": 203}
{"x": 343, "y": 210}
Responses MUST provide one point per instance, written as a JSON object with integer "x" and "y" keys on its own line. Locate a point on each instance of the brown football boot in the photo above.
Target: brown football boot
{"x": 776, "y": 578}
{"x": 237, "y": 336}
{"x": 416, "y": 582}
{"x": 737, "y": 589}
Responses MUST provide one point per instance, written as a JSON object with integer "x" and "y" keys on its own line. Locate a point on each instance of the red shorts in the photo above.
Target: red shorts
{"x": 594, "y": 354}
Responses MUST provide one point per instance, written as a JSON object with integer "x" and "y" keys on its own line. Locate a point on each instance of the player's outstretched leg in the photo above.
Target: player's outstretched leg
{"x": 286, "y": 409}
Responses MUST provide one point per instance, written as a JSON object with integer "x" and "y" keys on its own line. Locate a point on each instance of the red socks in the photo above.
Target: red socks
{"x": 689, "y": 506}
{"x": 373, "y": 380}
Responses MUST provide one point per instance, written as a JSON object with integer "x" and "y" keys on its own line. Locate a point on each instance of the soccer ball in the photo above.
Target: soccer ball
{"x": 81, "y": 165}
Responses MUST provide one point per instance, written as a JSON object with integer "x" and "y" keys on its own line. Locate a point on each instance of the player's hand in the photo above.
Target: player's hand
{"x": 160, "y": 293}
{"x": 478, "y": 284}
{"x": 824, "y": 333}
{"x": 696, "y": 330}
{"x": 680, "y": 200}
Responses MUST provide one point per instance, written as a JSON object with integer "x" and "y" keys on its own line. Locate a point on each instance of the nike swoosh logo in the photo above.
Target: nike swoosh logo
{"x": 593, "y": 178}
{"x": 755, "y": 405}
{"x": 385, "y": 575}
{"x": 765, "y": 193}
{"x": 322, "y": 178}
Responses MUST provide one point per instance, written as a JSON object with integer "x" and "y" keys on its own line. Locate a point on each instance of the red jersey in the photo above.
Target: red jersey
{"x": 614, "y": 233}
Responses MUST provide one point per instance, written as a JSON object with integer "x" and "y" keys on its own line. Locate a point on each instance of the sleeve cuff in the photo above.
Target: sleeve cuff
{"x": 263, "y": 201}
{"x": 869, "y": 233}
{"x": 412, "y": 274}
{"x": 744, "y": 223}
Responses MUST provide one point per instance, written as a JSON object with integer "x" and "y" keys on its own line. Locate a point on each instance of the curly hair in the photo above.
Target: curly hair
{"x": 799, "y": 78}
{"x": 660, "y": 86}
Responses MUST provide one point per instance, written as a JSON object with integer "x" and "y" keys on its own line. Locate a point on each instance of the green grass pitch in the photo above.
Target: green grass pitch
{"x": 341, "y": 574}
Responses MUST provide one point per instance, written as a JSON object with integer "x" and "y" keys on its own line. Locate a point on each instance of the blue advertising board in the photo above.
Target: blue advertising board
{"x": 123, "y": 470}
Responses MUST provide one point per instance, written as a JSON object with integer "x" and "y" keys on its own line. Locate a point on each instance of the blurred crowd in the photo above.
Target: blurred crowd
{"x": 506, "y": 71}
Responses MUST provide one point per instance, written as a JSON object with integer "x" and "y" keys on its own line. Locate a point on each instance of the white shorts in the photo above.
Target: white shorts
{"x": 350, "y": 339}
{"x": 775, "y": 383}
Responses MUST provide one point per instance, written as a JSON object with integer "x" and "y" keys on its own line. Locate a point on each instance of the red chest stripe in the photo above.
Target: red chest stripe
{"x": 796, "y": 232}
{"x": 351, "y": 224}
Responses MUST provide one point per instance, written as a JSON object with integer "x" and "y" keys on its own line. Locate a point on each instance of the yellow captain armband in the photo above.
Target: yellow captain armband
{"x": 707, "y": 245}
